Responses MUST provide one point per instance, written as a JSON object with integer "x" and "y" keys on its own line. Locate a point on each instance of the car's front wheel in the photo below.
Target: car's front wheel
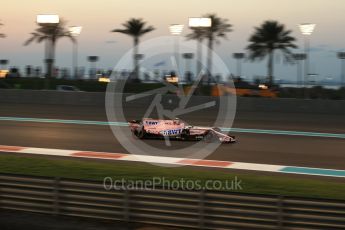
{"x": 210, "y": 137}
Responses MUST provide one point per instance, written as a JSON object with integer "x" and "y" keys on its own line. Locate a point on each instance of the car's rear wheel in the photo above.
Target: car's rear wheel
{"x": 185, "y": 134}
{"x": 141, "y": 134}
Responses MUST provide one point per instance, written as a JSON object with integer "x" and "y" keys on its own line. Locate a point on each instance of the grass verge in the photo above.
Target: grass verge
{"x": 96, "y": 170}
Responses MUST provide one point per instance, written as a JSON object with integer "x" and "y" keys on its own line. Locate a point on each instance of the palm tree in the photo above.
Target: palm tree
{"x": 219, "y": 28}
{"x": 197, "y": 34}
{"x": 50, "y": 33}
{"x": 135, "y": 27}
{"x": 267, "y": 38}
{"x": 2, "y": 35}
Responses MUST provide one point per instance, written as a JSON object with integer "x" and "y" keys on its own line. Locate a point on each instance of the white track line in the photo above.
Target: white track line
{"x": 174, "y": 161}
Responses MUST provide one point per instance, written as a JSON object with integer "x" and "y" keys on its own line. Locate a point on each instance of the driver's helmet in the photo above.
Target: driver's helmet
{"x": 176, "y": 121}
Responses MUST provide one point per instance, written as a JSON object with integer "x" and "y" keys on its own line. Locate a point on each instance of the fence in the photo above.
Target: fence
{"x": 185, "y": 209}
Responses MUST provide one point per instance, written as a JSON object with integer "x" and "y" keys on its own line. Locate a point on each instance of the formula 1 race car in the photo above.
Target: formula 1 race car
{"x": 176, "y": 129}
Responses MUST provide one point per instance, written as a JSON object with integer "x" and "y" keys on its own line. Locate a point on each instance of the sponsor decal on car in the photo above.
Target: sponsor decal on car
{"x": 169, "y": 132}
{"x": 151, "y": 122}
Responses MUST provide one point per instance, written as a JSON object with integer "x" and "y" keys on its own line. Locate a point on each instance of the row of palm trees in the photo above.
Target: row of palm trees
{"x": 269, "y": 37}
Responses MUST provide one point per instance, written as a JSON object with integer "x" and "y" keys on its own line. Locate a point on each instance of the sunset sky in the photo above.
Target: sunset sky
{"x": 99, "y": 17}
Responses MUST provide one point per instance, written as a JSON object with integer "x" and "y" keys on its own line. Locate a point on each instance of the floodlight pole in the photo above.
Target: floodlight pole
{"x": 341, "y": 56}
{"x": 343, "y": 72}
{"x": 176, "y": 51}
{"x": 199, "y": 58}
{"x": 307, "y": 60}
{"x": 199, "y": 23}
{"x": 299, "y": 57}
{"x": 75, "y": 32}
{"x": 75, "y": 59}
{"x": 306, "y": 29}
{"x": 239, "y": 57}
{"x": 176, "y": 30}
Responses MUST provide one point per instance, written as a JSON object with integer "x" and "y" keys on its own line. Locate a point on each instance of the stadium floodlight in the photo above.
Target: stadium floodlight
{"x": 307, "y": 28}
{"x": 176, "y": 29}
{"x": 75, "y": 30}
{"x": 200, "y": 22}
{"x": 47, "y": 19}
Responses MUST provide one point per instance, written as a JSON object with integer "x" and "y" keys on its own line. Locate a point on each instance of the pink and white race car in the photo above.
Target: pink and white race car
{"x": 176, "y": 129}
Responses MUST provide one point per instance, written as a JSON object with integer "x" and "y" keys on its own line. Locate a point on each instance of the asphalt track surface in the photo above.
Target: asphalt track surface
{"x": 320, "y": 152}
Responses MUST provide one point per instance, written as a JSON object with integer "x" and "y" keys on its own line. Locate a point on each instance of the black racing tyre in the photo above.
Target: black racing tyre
{"x": 141, "y": 134}
{"x": 185, "y": 134}
{"x": 135, "y": 133}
